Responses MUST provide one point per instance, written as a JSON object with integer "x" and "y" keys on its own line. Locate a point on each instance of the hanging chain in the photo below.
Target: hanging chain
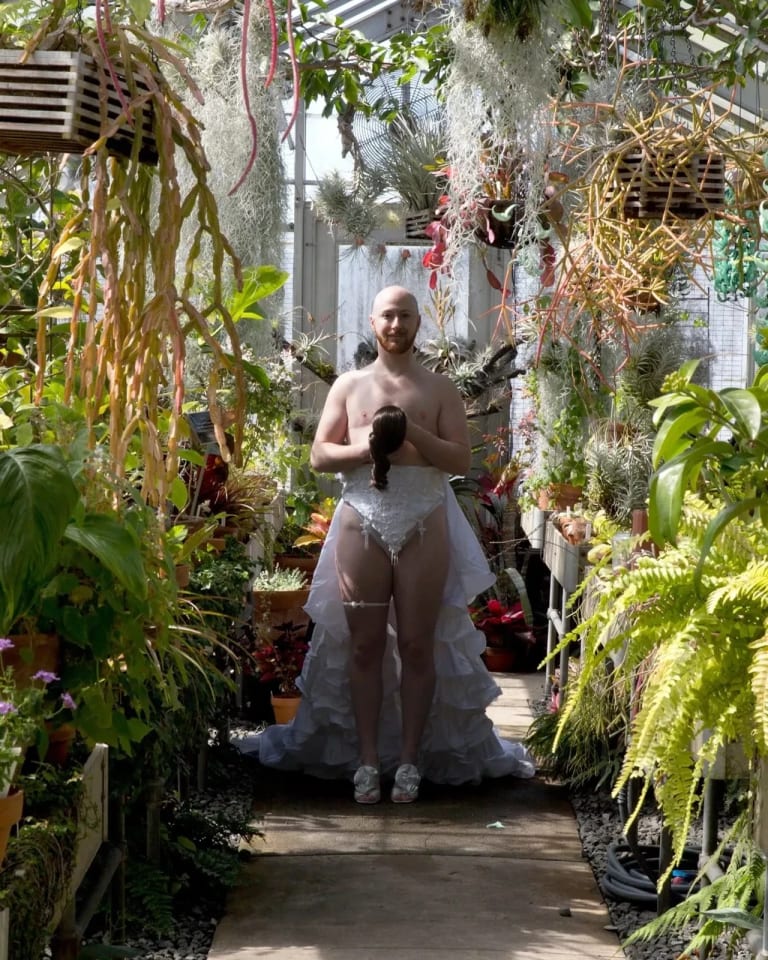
{"x": 606, "y": 16}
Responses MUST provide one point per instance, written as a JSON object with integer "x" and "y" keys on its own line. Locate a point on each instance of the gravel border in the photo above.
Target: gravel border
{"x": 600, "y": 826}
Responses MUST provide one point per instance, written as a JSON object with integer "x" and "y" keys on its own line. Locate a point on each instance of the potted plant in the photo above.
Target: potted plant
{"x": 279, "y": 662}
{"x": 279, "y": 590}
{"x": 504, "y": 615}
{"x": 279, "y": 596}
{"x": 409, "y": 162}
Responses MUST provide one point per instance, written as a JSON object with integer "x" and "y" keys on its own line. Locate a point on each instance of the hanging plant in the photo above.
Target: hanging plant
{"x": 498, "y": 145}
{"x": 615, "y": 268}
{"x": 128, "y": 311}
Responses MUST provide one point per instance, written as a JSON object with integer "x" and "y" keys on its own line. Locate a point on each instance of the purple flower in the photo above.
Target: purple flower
{"x": 5, "y": 644}
{"x": 45, "y": 675}
{"x": 68, "y": 702}
{"x": 6, "y": 707}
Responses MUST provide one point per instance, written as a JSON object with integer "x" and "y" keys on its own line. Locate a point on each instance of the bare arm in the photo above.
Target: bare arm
{"x": 331, "y": 452}
{"x": 448, "y": 450}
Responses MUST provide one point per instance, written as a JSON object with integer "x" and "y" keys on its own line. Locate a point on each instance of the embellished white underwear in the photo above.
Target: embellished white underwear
{"x": 393, "y": 515}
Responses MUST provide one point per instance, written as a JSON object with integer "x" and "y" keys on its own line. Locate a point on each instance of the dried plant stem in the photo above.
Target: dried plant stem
{"x": 129, "y": 317}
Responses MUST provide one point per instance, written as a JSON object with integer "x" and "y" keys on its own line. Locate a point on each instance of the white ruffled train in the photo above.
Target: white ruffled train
{"x": 459, "y": 745}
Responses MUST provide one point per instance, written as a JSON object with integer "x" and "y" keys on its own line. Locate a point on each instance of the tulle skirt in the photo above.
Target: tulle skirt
{"x": 459, "y": 745}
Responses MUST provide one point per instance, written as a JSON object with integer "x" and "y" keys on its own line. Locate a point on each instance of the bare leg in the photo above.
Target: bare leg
{"x": 418, "y": 590}
{"x": 365, "y": 573}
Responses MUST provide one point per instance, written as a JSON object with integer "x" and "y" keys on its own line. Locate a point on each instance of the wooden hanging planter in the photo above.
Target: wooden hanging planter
{"x": 651, "y": 185}
{"x": 53, "y": 102}
{"x": 416, "y": 221}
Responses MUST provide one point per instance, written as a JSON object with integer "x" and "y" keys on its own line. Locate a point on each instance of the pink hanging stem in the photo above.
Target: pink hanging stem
{"x": 247, "y": 99}
{"x": 103, "y": 19}
{"x": 275, "y": 42}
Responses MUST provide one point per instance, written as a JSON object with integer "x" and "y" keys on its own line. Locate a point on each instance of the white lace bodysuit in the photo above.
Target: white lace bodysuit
{"x": 394, "y": 514}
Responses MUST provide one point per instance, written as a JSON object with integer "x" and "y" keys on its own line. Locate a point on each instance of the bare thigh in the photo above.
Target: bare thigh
{"x": 419, "y": 580}
{"x": 365, "y": 574}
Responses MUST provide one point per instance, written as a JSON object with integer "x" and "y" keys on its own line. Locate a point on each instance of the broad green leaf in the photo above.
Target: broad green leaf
{"x": 676, "y": 434}
{"x": 734, "y": 917}
{"x": 689, "y": 368}
{"x": 37, "y": 497}
{"x": 745, "y": 409}
{"x": 141, "y": 9}
{"x": 718, "y": 524}
{"x": 579, "y": 13}
{"x": 137, "y": 729}
{"x": 116, "y": 546}
{"x": 665, "y": 501}
{"x": 254, "y": 370}
{"x": 178, "y": 494}
{"x": 58, "y": 312}
{"x": 73, "y": 243}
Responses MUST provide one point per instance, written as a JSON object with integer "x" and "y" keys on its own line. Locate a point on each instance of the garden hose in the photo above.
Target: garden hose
{"x": 626, "y": 879}
{"x": 632, "y": 869}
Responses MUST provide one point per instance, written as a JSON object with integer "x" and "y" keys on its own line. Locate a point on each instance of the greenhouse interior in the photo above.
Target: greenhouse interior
{"x": 295, "y": 297}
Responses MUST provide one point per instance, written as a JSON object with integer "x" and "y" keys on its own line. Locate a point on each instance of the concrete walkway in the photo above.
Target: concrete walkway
{"x": 486, "y": 872}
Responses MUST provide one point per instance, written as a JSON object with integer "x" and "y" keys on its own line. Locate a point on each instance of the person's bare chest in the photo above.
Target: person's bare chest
{"x": 421, "y": 405}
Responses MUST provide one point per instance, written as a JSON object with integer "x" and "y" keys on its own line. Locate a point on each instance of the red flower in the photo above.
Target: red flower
{"x": 495, "y": 614}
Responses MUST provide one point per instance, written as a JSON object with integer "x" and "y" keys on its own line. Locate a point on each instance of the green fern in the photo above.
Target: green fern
{"x": 687, "y": 648}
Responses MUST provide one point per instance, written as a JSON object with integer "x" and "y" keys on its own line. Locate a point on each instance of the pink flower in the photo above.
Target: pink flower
{"x": 5, "y": 644}
{"x": 6, "y": 707}
{"x": 68, "y": 702}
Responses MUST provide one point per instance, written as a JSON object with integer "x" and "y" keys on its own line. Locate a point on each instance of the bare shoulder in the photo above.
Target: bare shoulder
{"x": 347, "y": 381}
{"x": 441, "y": 385}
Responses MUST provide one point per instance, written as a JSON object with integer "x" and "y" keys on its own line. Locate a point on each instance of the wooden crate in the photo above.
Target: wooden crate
{"x": 652, "y": 185}
{"x": 52, "y": 102}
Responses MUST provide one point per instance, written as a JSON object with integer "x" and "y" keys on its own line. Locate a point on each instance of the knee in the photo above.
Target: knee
{"x": 416, "y": 656}
{"x": 366, "y": 656}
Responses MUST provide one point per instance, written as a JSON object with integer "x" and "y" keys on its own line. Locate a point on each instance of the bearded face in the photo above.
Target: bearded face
{"x": 395, "y": 320}
{"x": 396, "y": 342}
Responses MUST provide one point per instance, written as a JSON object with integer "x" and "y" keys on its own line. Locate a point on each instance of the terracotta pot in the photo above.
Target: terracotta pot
{"x": 284, "y": 708}
{"x": 499, "y": 659}
{"x": 33, "y": 652}
{"x": 11, "y": 808}
{"x": 559, "y": 496}
{"x": 278, "y": 601}
{"x": 183, "y": 573}
{"x": 60, "y": 740}
{"x": 277, "y": 608}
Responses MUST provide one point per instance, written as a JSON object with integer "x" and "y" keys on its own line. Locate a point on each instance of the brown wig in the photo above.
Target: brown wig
{"x": 387, "y": 435}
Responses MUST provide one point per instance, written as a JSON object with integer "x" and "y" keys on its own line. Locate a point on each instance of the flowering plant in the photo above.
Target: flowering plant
{"x": 24, "y": 710}
{"x": 497, "y": 613}
{"x": 280, "y": 661}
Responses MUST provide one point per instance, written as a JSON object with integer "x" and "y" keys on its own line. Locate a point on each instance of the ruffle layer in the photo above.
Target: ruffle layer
{"x": 459, "y": 745}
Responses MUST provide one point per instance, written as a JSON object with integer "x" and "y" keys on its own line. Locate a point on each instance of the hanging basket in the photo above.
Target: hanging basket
{"x": 416, "y": 221}
{"x": 655, "y": 184}
{"x": 53, "y": 102}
